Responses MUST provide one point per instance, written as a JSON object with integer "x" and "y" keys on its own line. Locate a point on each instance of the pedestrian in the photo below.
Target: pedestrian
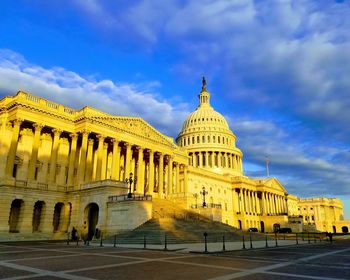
{"x": 74, "y": 234}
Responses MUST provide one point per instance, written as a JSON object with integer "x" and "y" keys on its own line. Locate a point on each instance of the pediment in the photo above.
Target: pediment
{"x": 273, "y": 183}
{"x": 137, "y": 126}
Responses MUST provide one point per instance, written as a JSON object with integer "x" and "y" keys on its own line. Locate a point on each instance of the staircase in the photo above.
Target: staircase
{"x": 179, "y": 225}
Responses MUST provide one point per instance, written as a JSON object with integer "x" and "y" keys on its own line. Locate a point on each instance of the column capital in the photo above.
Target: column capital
{"x": 18, "y": 121}
{"x": 115, "y": 141}
{"x": 85, "y": 132}
{"x": 57, "y": 132}
{"x": 150, "y": 151}
{"x": 168, "y": 157}
{"x": 126, "y": 144}
{"x": 100, "y": 137}
{"x": 90, "y": 141}
{"x": 73, "y": 136}
{"x": 38, "y": 126}
{"x": 138, "y": 148}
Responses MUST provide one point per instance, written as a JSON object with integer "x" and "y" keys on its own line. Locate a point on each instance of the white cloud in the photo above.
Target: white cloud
{"x": 70, "y": 88}
{"x": 326, "y": 172}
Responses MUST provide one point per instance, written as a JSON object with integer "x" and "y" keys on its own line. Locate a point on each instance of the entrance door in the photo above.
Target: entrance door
{"x": 91, "y": 212}
{"x": 262, "y": 226}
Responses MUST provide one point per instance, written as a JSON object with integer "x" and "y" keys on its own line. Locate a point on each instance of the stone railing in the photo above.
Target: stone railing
{"x": 104, "y": 183}
{"x": 125, "y": 197}
{"x": 208, "y": 205}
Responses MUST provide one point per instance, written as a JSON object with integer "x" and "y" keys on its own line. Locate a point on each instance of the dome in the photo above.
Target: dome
{"x": 207, "y": 118}
{"x": 208, "y": 139}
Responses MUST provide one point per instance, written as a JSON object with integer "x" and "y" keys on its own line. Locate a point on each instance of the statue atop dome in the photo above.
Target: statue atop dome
{"x": 204, "y": 84}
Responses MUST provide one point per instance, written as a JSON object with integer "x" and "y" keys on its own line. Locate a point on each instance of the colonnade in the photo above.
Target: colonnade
{"x": 260, "y": 203}
{"x": 77, "y": 158}
{"x": 216, "y": 159}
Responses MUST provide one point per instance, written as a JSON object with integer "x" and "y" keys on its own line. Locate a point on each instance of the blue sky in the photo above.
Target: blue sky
{"x": 277, "y": 70}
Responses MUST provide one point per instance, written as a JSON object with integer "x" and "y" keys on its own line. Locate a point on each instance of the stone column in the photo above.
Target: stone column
{"x": 253, "y": 202}
{"x": 278, "y": 198}
{"x": 177, "y": 181}
{"x": 185, "y": 179}
{"x": 161, "y": 173}
{"x": 240, "y": 199}
{"x": 128, "y": 157}
{"x": 170, "y": 176}
{"x": 250, "y": 199}
{"x": 140, "y": 167}
{"x": 13, "y": 147}
{"x": 82, "y": 163}
{"x": 268, "y": 202}
{"x": 274, "y": 203}
{"x": 206, "y": 159}
{"x": 200, "y": 157}
{"x": 115, "y": 159}
{"x": 211, "y": 159}
{"x": 151, "y": 172}
{"x": 53, "y": 160}
{"x": 263, "y": 203}
{"x": 34, "y": 156}
{"x": 89, "y": 162}
{"x": 101, "y": 140}
{"x": 104, "y": 162}
{"x": 73, "y": 148}
{"x": 244, "y": 201}
{"x": 258, "y": 206}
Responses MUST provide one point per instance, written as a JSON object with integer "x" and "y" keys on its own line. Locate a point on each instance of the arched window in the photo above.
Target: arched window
{"x": 203, "y": 139}
{"x": 214, "y": 139}
{"x": 192, "y": 139}
{"x": 198, "y": 139}
{"x": 208, "y": 139}
{"x": 218, "y": 139}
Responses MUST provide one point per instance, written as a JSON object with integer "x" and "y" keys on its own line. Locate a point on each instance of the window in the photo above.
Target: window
{"x": 36, "y": 173}
{"x": 213, "y": 139}
{"x": 14, "y": 171}
{"x": 198, "y": 139}
{"x": 203, "y": 139}
{"x": 208, "y": 139}
{"x": 185, "y": 142}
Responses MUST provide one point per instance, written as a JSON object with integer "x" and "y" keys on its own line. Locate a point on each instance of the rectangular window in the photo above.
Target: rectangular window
{"x": 14, "y": 171}
{"x": 36, "y": 173}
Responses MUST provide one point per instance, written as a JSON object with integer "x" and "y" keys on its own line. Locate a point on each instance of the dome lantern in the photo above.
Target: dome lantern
{"x": 204, "y": 95}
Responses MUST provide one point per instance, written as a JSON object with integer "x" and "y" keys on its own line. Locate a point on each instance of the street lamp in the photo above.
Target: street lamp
{"x": 204, "y": 193}
{"x": 129, "y": 181}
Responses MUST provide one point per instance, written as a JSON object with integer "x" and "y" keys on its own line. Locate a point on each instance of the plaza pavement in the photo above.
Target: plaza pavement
{"x": 47, "y": 260}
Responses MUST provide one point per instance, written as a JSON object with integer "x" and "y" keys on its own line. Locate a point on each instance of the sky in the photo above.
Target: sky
{"x": 279, "y": 71}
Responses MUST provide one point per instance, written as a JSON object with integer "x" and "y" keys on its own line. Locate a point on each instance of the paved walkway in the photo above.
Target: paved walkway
{"x": 43, "y": 260}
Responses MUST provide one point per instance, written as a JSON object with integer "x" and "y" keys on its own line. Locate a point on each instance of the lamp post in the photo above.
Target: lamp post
{"x": 129, "y": 181}
{"x": 204, "y": 193}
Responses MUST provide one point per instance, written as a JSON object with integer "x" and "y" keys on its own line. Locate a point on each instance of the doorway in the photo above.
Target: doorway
{"x": 91, "y": 218}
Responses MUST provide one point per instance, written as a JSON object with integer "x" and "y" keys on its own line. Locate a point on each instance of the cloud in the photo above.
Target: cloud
{"x": 326, "y": 172}
{"x": 70, "y": 88}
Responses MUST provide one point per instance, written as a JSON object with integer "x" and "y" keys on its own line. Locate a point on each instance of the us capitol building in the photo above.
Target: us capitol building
{"x": 61, "y": 167}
